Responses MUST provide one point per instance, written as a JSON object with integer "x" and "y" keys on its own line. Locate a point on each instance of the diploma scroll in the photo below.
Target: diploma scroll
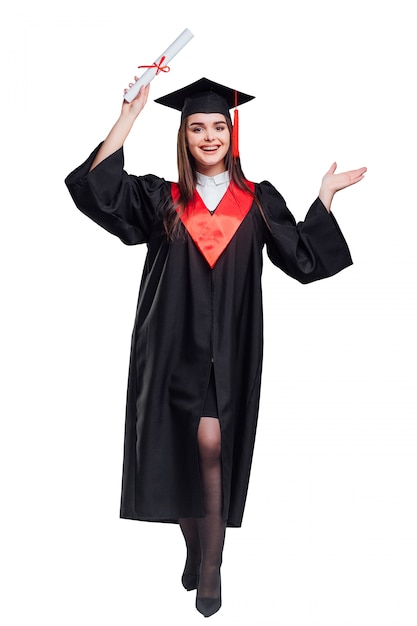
{"x": 164, "y": 59}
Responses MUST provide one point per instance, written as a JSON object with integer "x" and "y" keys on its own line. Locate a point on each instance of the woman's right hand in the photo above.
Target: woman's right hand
{"x": 136, "y": 105}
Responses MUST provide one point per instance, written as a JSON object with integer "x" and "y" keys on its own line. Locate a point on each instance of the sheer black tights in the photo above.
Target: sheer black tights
{"x": 204, "y": 537}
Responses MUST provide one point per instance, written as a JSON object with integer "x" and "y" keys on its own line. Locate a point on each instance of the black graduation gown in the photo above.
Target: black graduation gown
{"x": 188, "y": 317}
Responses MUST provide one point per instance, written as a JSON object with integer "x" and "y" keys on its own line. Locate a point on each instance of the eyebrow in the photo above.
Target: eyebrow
{"x": 204, "y": 124}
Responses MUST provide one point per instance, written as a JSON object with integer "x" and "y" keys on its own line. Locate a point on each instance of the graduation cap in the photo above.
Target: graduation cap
{"x": 206, "y": 96}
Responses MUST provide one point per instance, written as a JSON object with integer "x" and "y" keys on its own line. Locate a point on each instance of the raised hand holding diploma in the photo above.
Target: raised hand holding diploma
{"x": 160, "y": 65}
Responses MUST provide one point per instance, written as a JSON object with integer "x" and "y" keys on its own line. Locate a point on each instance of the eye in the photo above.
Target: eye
{"x": 220, "y": 128}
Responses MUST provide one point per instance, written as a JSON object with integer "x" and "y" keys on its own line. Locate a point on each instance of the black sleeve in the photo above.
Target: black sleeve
{"x": 308, "y": 250}
{"x": 123, "y": 204}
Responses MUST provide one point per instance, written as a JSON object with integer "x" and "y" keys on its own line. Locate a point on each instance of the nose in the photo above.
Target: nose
{"x": 209, "y": 134}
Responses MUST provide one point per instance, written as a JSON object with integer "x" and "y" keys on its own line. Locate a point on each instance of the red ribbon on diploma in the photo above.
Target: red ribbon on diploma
{"x": 159, "y": 67}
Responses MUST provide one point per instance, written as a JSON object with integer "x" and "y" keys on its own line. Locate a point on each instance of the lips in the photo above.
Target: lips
{"x": 209, "y": 148}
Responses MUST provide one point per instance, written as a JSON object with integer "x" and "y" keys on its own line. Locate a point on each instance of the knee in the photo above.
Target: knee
{"x": 210, "y": 448}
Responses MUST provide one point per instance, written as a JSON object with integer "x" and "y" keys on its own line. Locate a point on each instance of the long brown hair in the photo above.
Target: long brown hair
{"x": 187, "y": 180}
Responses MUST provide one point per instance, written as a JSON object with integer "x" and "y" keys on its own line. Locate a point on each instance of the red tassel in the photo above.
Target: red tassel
{"x": 235, "y": 135}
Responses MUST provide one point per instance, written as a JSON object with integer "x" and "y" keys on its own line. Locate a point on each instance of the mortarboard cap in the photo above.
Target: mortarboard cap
{"x": 206, "y": 96}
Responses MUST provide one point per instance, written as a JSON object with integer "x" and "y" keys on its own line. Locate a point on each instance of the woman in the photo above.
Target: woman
{"x": 196, "y": 357}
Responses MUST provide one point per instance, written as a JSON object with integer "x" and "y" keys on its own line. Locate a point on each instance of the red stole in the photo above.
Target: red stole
{"x": 212, "y": 232}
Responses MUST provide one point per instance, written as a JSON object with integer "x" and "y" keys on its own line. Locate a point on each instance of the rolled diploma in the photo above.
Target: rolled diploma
{"x": 169, "y": 54}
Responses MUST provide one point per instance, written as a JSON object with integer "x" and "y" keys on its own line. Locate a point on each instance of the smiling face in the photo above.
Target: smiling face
{"x": 208, "y": 140}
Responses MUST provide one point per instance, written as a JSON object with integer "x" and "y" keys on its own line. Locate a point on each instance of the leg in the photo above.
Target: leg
{"x": 189, "y": 529}
{"x": 212, "y": 527}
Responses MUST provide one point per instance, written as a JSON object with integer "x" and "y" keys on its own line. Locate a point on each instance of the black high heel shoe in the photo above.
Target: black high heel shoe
{"x": 208, "y": 606}
{"x": 189, "y": 581}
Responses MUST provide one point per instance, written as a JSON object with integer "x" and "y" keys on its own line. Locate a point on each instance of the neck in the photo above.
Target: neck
{"x": 211, "y": 170}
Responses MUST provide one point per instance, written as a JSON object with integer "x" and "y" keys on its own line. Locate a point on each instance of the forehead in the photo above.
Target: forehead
{"x": 206, "y": 118}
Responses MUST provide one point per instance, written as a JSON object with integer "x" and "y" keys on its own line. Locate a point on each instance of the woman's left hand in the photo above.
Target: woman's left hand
{"x": 332, "y": 182}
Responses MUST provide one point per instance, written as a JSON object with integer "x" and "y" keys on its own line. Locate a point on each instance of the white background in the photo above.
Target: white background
{"x": 329, "y": 535}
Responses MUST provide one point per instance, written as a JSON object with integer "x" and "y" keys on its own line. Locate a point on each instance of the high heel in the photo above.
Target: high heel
{"x": 189, "y": 581}
{"x": 208, "y": 606}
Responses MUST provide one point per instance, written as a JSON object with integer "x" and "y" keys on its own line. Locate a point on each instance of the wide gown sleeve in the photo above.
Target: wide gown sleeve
{"x": 309, "y": 250}
{"x": 123, "y": 204}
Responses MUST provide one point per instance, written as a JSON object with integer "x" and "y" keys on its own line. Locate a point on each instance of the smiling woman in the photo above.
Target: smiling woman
{"x": 197, "y": 344}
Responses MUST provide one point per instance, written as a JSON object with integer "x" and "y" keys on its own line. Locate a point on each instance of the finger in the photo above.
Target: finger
{"x": 356, "y": 180}
{"x": 357, "y": 173}
{"x": 355, "y": 176}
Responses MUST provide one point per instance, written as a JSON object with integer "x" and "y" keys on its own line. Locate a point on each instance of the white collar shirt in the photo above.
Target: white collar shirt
{"x": 212, "y": 188}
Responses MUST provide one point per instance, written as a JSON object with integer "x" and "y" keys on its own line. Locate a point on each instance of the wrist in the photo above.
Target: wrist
{"x": 326, "y": 196}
